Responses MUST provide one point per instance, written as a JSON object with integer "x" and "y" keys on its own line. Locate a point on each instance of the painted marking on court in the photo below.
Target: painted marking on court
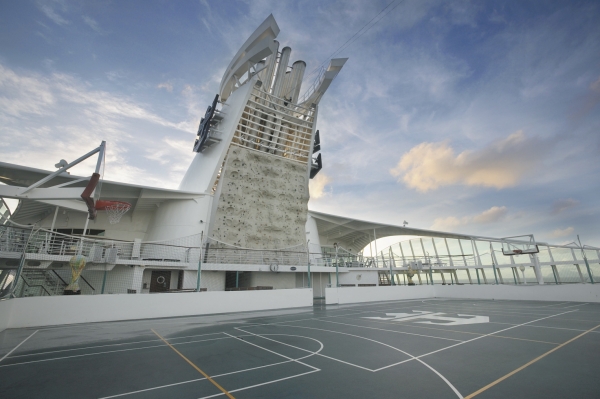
{"x": 219, "y": 375}
{"x": 107, "y": 345}
{"x": 485, "y": 388}
{"x": 101, "y": 353}
{"x": 17, "y": 347}
{"x": 471, "y": 340}
{"x": 384, "y": 344}
{"x": 394, "y": 331}
{"x": 548, "y": 327}
{"x": 194, "y": 366}
{"x": 443, "y": 329}
{"x": 437, "y": 317}
{"x": 271, "y": 351}
{"x": 264, "y": 383}
{"x": 464, "y": 332}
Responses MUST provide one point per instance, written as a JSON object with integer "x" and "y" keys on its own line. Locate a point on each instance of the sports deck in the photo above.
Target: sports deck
{"x": 415, "y": 349}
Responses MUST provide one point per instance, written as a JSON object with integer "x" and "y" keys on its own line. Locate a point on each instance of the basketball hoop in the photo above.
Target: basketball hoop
{"x": 114, "y": 209}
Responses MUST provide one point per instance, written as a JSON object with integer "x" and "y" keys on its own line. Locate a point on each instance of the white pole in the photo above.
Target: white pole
{"x": 375, "y": 242}
{"x": 54, "y": 219}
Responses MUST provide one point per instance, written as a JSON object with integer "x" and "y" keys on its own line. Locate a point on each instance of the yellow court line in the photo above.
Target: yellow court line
{"x": 485, "y": 388}
{"x": 194, "y": 366}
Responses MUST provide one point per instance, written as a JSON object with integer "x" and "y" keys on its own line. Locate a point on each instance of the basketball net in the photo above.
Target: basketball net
{"x": 116, "y": 210}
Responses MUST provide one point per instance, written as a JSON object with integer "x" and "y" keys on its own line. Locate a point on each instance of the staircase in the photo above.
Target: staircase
{"x": 384, "y": 278}
{"x": 40, "y": 283}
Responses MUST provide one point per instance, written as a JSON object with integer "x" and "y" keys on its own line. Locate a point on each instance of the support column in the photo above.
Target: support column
{"x": 537, "y": 269}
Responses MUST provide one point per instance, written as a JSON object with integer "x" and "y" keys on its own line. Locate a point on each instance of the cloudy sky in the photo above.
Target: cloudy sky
{"x": 475, "y": 117}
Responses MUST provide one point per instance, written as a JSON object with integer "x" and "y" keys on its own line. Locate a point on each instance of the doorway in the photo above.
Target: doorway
{"x": 160, "y": 281}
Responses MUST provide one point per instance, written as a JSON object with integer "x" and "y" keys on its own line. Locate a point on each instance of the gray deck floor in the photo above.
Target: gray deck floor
{"x": 525, "y": 350}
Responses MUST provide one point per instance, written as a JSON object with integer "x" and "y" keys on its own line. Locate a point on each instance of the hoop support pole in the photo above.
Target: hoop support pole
{"x": 63, "y": 169}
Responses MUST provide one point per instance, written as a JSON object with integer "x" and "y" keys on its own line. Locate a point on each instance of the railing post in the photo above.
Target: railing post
{"x": 199, "y": 276}
{"x": 587, "y": 265}
{"x": 308, "y": 259}
{"x": 493, "y": 263}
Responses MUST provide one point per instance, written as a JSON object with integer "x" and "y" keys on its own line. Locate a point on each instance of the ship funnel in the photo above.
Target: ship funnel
{"x": 281, "y": 70}
{"x": 293, "y": 90}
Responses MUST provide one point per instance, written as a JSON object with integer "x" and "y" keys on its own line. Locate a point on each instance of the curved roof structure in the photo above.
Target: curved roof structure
{"x": 357, "y": 234}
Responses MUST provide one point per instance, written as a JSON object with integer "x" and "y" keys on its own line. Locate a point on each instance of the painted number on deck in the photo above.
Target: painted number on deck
{"x": 433, "y": 318}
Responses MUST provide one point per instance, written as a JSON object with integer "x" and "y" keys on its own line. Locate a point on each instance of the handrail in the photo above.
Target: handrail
{"x": 89, "y": 285}
{"x": 58, "y": 275}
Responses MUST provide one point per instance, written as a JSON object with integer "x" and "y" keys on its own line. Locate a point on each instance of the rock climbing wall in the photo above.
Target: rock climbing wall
{"x": 263, "y": 201}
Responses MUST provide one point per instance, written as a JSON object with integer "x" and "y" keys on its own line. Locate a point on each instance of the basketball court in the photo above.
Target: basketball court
{"x": 420, "y": 348}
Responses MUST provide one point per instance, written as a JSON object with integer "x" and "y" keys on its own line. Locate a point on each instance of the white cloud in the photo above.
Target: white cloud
{"x": 448, "y": 223}
{"x": 502, "y": 164}
{"x": 24, "y": 94}
{"x": 47, "y": 7}
{"x": 46, "y": 118}
{"x": 492, "y": 215}
{"x": 317, "y": 185}
{"x": 564, "y": 204}
{"x": 167, "y": 86}
{"x": 92, "y": 23}
{"x": 562, "y": 232}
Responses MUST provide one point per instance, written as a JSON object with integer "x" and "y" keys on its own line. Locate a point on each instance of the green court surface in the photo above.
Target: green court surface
{"x": 415, "y": 349}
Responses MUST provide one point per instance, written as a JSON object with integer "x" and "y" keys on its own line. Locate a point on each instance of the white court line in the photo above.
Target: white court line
{"x": 523, "y": 314}
{"x": 200, "y": 379}
{"x": 276, "y": 353}
{"x": 378, "y": 342}
{"x": 152, "y": 389}
{"x": 101, "y": 353}
{"x": 556, "y": 304}
{"x": 515, "y": 313}
{"x": 496, "y": 308}
{"x": 549, "y": 327}
{"x": 104, "y": 346}
{"x": 520, "y": 309}
{"x": 474, "y": 339}
{"x": 394, "y": 331}
{"x": 16, "y": 347}
{"x": 306, "y": 350}
{"x": 572, "y": 306}
{"x": 328, "y": 317}
{"x": 258, "y": 385}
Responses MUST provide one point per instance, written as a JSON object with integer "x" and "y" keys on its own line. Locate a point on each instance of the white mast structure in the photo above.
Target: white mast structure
{"x": 256, "y": 150}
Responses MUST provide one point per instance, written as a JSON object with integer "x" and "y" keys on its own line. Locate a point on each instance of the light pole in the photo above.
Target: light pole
{"x": 337, "y": 281}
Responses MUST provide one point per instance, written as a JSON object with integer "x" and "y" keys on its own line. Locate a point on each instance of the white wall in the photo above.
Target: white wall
{"x": 58, "y": 310}
{"x": 360, "y": 277}
{"x": 563, "y": 292}
{"x": 276, "y": 280}
{"x": 373, "y": 294}
{"x": 5, "y": 313}
{"x": 212, "y": 280}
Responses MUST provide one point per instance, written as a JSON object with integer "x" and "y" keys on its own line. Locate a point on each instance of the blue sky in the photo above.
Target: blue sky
{"x": 474, "y": 117}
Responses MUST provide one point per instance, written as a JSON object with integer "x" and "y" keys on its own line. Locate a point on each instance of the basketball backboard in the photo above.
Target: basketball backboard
{"x": 519, "y": 245}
